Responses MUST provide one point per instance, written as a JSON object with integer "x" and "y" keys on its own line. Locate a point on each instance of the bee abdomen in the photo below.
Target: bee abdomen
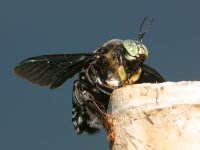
{"x": 84, "y": 117}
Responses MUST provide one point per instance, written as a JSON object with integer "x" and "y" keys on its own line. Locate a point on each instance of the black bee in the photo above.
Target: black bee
{"x": 115, "y": 64}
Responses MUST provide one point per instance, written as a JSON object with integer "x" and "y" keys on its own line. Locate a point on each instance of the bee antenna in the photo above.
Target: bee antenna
{"x": 141, "y": 34}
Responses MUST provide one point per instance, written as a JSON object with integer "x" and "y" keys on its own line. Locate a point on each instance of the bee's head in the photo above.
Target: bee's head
{"x": 136, "y": 49}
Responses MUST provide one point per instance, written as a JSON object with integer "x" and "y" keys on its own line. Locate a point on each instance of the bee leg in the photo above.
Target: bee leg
{"x": 88, "y": 107}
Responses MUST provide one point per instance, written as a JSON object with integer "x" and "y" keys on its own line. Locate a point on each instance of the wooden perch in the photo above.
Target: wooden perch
{"x": 163, "y": 116}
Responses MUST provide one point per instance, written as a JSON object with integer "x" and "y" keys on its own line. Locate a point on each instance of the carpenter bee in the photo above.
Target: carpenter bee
{"x": 114, "y": 64}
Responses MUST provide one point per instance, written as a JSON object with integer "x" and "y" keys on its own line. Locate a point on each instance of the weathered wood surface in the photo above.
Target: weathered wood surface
{"x": 163, "y": 116}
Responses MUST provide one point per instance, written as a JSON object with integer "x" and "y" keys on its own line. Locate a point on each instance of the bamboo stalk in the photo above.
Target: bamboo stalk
{"x": 163, "y": 116}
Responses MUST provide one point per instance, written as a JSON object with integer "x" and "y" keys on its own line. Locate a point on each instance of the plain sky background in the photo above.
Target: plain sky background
{"x": 37, "y": 118}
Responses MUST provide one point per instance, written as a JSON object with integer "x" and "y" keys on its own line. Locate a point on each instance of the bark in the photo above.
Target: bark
{"x": 163, "y": 116}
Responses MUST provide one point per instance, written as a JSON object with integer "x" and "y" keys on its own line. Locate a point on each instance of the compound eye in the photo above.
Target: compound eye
{"x": 131, "y": 47}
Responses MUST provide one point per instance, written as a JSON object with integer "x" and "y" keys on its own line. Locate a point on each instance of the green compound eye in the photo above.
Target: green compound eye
{"x": 131, "y": 47}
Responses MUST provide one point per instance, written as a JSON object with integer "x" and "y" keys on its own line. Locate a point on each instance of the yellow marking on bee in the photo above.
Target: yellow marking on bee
{"x": 135, "y": 76}
{"x": 122, "y": 73}
{"x": 111, "y": 61}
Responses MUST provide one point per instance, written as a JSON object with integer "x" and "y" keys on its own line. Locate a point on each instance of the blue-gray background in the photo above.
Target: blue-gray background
{"x": 34, "y": 117}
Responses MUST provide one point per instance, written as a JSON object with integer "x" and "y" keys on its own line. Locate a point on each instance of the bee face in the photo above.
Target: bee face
{"x": 135, "y": 49}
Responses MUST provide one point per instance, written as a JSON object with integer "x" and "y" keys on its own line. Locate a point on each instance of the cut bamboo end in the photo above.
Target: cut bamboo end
{"x": 164, "y": 116}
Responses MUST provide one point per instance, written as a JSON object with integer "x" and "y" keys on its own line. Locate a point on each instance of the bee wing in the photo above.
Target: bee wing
{"x": 52, "y": 70}
{"x": 150, "y": 75}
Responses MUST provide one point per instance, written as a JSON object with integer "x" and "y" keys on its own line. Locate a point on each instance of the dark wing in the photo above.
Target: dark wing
{"x": 150, "y": 75}
{"x": 52, "y": 70}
